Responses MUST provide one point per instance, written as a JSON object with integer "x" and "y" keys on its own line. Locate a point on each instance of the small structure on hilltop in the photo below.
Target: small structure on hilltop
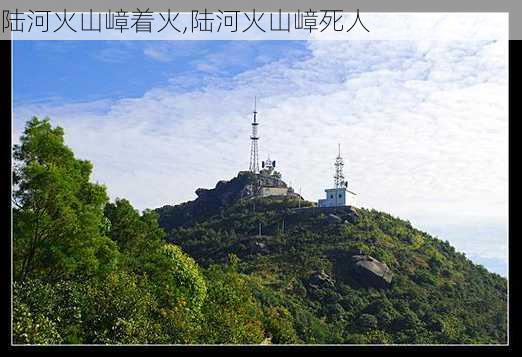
{"x": 268, "y": 167}
{"x": 270, "y": 181}
{"x": 338, "y": 196}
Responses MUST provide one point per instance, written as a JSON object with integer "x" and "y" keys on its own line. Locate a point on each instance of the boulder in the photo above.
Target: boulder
{"x": 371, "y": 272}
{"x": 352, "y": 215}
{"x": 333, "y": 219}
{"x": 318, "y": 280}
{"x": 257, "y": 247}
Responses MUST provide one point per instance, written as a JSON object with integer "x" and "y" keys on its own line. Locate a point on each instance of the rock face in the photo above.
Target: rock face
{"x": 270, "y": 181}
{"x": 245, "y": 185}
{"x": 213, "y": 201}
{"x": 371, "y": 272}
{"x": 225, "y": 192}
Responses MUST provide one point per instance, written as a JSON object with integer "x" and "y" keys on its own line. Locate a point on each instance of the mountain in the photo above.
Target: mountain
{"x": 257, "y": 264}
{"x": 341, "y": 275}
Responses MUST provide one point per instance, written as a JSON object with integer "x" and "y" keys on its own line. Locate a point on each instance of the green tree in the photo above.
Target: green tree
{"x": 173, "y": 277}
{"x": 134, "y": 233}
{"x": 120, "y": 309}
{"x": 29, "y": 328}
{"x": 58, "y": 306}
{"x": 174, "y": 274}
{"x": 231, "y": 312}
{"x": 58, "y": 213}
{"x": 279, "y": 324}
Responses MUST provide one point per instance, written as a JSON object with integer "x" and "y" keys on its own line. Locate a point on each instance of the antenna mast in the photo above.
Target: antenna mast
{"x": 254, "y": 156}
{"x": 339, "y": 176}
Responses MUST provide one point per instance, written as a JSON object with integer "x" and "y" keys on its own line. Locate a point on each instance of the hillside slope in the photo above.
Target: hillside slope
{"x": 302, "y": 259}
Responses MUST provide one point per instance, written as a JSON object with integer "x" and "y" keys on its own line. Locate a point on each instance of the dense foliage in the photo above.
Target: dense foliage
{"x": 87, "y": 270}
{"x": 58, "y": 213}
{"x": 437, "y": 294}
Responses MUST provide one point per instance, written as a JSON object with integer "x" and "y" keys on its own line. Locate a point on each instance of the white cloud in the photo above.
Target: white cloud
{"x": 156, "y": 54}
{"x": 423, "y": 128}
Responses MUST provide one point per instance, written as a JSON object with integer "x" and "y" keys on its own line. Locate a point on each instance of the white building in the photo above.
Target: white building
{"x": 340, "y": 195}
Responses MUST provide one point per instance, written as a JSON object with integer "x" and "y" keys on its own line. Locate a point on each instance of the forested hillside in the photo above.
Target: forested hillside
{"x": 88, "y": 270}
{"x": 436, "y": 295}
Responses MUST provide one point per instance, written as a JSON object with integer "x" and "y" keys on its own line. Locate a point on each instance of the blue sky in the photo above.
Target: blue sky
{"x": 73, "y": 71}
{"x": 422, "y": 124}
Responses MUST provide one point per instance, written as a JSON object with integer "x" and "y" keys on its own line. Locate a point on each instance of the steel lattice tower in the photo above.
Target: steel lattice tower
{"x": 339, "y": 176}
{"x": 254, "y": 155}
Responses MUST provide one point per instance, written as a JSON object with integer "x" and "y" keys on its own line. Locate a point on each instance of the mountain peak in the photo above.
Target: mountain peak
{"x": 245, "y": 186}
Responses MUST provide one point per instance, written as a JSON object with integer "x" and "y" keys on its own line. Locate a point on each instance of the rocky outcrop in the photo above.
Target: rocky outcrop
{"x": 269, "y": 181}
{"x": 352, "y": 215}
{"x": 226, "y": 192}
{"x": 359, "y": 269}
{"x": 347, "y": 214}
{"x": 332, "y": 218}
{"x": 371, "y": 272}
{"x": 213, "y": 201}
{"x": 319, "y": 280}
{"x": 320, "y": 286}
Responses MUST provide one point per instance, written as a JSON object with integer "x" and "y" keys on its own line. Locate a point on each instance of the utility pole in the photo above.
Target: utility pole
{"x": 259, "y": 229}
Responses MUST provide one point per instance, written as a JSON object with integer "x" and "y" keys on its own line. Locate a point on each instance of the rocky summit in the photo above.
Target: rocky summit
{"x": 209, "y": 202}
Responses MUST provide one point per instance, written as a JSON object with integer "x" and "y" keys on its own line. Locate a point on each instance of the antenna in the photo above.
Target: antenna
{"x": 268, "y": 165}
{"x": 254, "y": 156}
{"x": 339, "y": 176}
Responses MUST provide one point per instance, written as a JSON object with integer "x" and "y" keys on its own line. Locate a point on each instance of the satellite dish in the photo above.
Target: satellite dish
{"x": 262, "y": 164}
{"x": 273, "y": 163}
